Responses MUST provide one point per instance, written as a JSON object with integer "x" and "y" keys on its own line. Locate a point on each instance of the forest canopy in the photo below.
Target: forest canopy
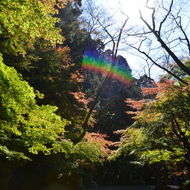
{"x": 72, "y": 113}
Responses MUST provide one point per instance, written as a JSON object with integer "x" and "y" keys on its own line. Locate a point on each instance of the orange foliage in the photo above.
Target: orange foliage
{"x": 184, "y": 172}
{"x": 80, "y": 97}
{"x": 99, "y": 139}
{"x": 160, "y": 86}
{"x": 138, "y": 105}
{"x": 64, "y": 56}
{"x": 77, "y": 76}
{"x": 63, "y": 53}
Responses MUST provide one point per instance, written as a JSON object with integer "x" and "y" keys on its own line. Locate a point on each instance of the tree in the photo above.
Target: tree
{"x": 26, "y": 128}
{"x": 75, "y": 37}
{"x": 33, "y": 126}
{"x": 49, "y": 69}
{"x": 114, "y": 39}
{"x": 164, "y": 38}
{"x": 53, "y": 74}
{"x": 35, "y": 133}
{"x": 177, "y": 70}
{"x": 27, "y": 22}
{"x": 160, "y": 134}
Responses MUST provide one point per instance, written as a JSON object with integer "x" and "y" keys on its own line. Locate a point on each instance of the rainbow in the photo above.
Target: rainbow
{"x": 94, "y": 63}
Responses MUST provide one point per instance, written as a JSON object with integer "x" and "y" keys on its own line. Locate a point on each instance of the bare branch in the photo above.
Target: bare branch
{"x": 163, "y": 68}
{"x": 184, "y": 33}
{"x": 168, "y": 13}
{"x": 163, "y": 44}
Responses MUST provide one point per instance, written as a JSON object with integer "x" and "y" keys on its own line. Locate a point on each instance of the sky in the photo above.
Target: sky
{"x": 119, "y": 9}
{"x": 130, "y": 8}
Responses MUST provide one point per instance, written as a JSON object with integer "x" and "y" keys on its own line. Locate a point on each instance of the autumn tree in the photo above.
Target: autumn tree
{"x": 33, "y": 125}
{"x": 114, "y": 39}
{"x": 51, "y": 70}
{"x": 27, "y": 22}
{"x": 26, "y": 128}
{"x": 160, "y": 134}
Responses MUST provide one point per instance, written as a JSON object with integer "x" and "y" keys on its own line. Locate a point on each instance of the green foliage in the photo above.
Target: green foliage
{"x": 23, "y": 22}
{"x": 185, "y": 185}
{"x": 89, "y": 153}
{"x": 52, "y": 74}
{"x": 29, "y": 129}
{"x": 174, "y": 68}
{"x": 26, "y": 128}
{"x": 47, "y": 69}
{"x": 94, "y": 148}
{"x": 40, "y": 127}
{"x": 161, "y": 131}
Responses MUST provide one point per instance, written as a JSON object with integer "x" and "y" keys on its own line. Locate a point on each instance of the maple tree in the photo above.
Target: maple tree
{"x": 26, "y": 128}
{"x": 30, "y": 132}
{"x": 40, "y": 63}
{"x": 39, "y": 127}
{"x": 28, "y": 21}
{"x": 160, "y": 135}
